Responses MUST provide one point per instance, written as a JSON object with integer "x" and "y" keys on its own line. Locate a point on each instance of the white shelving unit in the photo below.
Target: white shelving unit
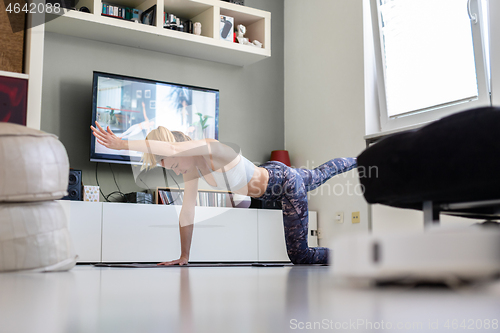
{"x": 14, "y": 75}
{"x": 34, "y": 68}
{"x": 207, "y": 46}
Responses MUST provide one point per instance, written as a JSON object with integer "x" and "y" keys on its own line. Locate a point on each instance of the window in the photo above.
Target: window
{"x": 430, "y": 59}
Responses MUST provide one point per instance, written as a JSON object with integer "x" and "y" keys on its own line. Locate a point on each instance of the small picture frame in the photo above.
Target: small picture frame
{"x": 148, "y": 16}
{"x": 14, "y": 102}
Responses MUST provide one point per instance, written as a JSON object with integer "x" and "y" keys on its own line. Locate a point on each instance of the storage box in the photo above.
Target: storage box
{"x": 91, "y": 193}
{"x": 226, "y": 28}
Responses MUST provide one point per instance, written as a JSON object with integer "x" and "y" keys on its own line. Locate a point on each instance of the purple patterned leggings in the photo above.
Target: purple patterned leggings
{"x": 290, "y": 187}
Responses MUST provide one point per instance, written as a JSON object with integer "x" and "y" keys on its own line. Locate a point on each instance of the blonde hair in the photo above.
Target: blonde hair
{"x": 180, "y": 137}
{"x": 150, "y": 161}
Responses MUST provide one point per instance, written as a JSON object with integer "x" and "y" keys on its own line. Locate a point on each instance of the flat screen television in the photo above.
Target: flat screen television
{"x": 132, "y": 107}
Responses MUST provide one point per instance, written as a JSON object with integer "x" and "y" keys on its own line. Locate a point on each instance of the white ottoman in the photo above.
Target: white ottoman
{"x": 34, "y": 236}
{"x": 34, "y": 165}
{"x": 34, "y": 171}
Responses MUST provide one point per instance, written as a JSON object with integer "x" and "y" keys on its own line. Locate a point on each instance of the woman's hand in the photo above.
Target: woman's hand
{"x": 107, "y": 138}
{"x": 181, "y": 261}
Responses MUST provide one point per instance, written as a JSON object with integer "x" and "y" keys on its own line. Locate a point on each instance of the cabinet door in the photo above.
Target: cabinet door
{"x": 272, "y": 245}
{"x": 84, "y": 224}
{"x": 140, "y": 233}
{"x": 225, "y": 234}
{"x": 150, "y": 233}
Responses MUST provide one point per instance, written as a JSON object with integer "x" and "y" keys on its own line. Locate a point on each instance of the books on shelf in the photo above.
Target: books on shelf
{"x": 167, "y": 197}
{"x": 124, "y": 13}
{"x": 170, "y": 196}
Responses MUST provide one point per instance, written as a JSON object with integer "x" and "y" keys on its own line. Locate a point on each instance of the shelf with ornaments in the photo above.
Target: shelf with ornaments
{"x": 161, "y": 33}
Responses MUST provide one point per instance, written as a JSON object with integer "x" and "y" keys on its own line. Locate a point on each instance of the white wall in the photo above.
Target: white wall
{"x": 387, "y": 219}
{"x": 324, "y": 101}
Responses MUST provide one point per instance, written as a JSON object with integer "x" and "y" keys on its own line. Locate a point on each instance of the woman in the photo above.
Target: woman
{"x": 222, "y": 168}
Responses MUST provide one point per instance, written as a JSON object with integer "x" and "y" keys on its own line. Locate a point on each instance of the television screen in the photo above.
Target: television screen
{"x": 132, "y": 107}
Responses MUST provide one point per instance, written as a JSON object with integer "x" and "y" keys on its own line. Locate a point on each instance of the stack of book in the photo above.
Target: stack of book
{"x": 125, "y": 13}
{"x": 167, "y": 197}
{"x": 204, "y": 199}
{"x": 214, "y": 199}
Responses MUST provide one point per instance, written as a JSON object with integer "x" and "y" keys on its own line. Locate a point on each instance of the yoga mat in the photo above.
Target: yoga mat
{"x": 137, "y": 265}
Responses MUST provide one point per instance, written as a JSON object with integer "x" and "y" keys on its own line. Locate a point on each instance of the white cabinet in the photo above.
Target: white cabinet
{"x": 150, "y": 233}
{"x": 225, "y": 234}
{"x": 119, "y": 232}
{"x": 139, "y": 233}
{"x": 271, "y": 236}
{"x": 84, "y": 224}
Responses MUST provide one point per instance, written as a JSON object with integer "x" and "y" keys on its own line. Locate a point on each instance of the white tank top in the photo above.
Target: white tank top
{"x": 237, "y": 177}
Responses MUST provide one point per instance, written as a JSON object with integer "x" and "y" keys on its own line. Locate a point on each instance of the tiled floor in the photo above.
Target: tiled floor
{"x": 231, "y": 299}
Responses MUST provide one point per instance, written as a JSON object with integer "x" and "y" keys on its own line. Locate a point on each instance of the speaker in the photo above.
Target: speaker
{"x": 74, "y": 186}
{"x": 265, "y": 204}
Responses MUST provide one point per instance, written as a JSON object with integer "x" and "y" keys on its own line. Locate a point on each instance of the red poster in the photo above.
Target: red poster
{"x": 13, "y": 100}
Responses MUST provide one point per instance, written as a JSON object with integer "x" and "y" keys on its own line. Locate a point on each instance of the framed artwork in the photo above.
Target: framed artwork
{"x": 148, "y": 16}
{"x": 13, "y": 100}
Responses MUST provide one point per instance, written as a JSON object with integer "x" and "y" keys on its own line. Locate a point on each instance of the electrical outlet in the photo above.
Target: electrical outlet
{"x": 339, "y": 217}
{"x": 320, "y": 233}
{"x": 355, "y": 217}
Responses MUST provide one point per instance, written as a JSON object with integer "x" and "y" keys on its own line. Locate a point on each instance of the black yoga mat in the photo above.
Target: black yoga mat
{"x": 137, "y": 265}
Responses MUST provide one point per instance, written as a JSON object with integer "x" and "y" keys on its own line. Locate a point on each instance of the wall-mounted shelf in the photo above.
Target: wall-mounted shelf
{"x": 207, "y": 46}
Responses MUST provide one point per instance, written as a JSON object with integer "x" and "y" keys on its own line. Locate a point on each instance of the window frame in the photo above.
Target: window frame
{"x": 424, "y": 116}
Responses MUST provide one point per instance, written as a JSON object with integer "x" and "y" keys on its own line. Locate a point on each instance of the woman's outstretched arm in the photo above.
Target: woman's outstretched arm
{"x": 205, "y": 147}
{"x": 110, "y": 140}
